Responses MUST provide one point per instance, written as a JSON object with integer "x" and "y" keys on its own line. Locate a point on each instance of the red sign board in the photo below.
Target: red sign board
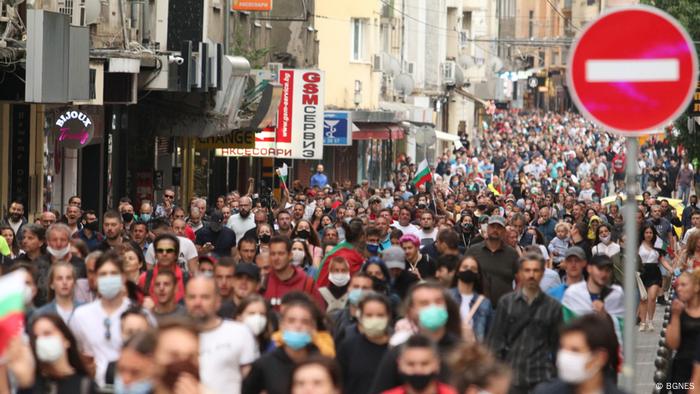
{"x": 252, "y": 5}
{"x": 632, "y": 70}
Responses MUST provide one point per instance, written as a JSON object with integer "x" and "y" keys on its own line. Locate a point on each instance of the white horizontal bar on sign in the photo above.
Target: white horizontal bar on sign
{"x": 632, "y": 70}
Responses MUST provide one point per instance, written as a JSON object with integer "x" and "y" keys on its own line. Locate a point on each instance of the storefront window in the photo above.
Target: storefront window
{"x": 375, "y": 161}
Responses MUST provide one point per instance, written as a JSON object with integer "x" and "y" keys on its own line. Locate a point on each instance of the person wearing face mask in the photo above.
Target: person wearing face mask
{"x": 605, "y": 245}
{"x": 97, "y": 325}
{"x": 359, "y": 355}
{"x": 89, "y": 232}
{"x": 474, "y": 309}
{"x": 430, "y": 312}
{"x": 301, "y": 257}
{"x": 272, "y": 372}
{"x": 419, "y": 368}
{"x": 352, "y": 249}
{"x": 304, "y": 230}
{"x": 59, "y": 369}
{"x": 344, "y": 320}
{"x": 254, "y": 312}
{"x": 588, "y": 355}
{"x": 336, "y": 293}
{"x": 58, "y": 247}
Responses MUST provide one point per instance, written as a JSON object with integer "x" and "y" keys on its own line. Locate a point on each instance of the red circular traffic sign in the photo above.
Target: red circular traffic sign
{"x": 632, "y": 70}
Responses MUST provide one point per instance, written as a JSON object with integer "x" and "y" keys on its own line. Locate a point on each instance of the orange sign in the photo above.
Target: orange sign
{"x": 252, "y": 5}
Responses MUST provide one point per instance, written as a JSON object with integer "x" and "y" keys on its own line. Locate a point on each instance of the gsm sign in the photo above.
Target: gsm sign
{"x": 310, "y": 88}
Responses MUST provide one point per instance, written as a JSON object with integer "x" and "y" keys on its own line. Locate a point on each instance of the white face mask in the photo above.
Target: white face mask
{"x": 58, "y": 253}
{"x": 605, "y": 240}
{"x": 571, "y": 366}
{"x": 297, "y": 257}
{"x": 256, "y": 323}
{"x": 49, "y": 348}
{"x": 339, "y": 279}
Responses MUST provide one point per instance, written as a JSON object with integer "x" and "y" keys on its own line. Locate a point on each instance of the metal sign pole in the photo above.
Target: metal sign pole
{"x": 631, "y": 246}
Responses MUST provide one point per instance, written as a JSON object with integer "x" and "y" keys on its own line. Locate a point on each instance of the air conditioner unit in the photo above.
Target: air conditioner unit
{"x": 97, "y": 83}
{"x": 447, "y": 71}
{"x": 377, "y": 63}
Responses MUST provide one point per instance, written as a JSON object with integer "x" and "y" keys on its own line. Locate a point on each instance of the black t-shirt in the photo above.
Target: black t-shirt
{"x": 359, "y": 362}
{"x": 228, "y": 309}
{"x": 223, "y": 241}
{"x": 73, "y": 384}
{"x": 271, "y": 373}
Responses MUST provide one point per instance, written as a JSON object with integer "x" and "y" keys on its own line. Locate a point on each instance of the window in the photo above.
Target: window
{"x": 531, "y": 23}
{"x": 357, "y": 27}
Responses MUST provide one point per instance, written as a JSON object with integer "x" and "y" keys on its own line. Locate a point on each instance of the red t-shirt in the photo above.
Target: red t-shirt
{"x": 276, "y": 288}
{"x": 441, "y": 389}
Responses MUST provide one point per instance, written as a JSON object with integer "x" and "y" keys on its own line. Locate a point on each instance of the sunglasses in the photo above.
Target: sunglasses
{"x": 169, "y": 250}
{"x": 107, "y": 323}
{"x": 171, "y": 196}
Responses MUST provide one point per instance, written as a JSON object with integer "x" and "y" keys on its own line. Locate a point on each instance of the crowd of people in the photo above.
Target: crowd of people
{"x": 503, "y": 274}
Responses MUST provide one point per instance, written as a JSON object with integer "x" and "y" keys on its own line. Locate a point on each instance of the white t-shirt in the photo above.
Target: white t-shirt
{"x": 187, "y": 252}
{"x": 222, "y": 352}
{"x": 410, "y": 229}
{"x": 89, "y": 325}
{"x": 464, "y": 306}
{"x": 240, "y": 225}
{"x": 427, "y": 238}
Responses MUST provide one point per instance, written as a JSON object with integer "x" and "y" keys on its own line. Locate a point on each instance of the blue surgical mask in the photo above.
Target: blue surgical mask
{"x": 109, "y": 286}
{"x": 354, "y": 296}
{"x": 296, "y": 339}
{"x": 373, "y": 248}
{"x": 433, "y": 317}
{"x": 145, "y": 217}
{"x": 140, "y": 387}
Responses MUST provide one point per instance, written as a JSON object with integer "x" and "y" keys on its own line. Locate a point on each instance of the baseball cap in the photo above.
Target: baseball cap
{"x": 215, "y": 221}
{"x": 575, "y": 251}
{"x": 247, "y": 269}
{"x": 394, "y": 257}
{"x": 601, "y": 261}
{"x": 496, "y": 219}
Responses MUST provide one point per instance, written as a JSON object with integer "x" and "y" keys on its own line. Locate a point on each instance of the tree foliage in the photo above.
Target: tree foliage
{"x": 687, "y": 12}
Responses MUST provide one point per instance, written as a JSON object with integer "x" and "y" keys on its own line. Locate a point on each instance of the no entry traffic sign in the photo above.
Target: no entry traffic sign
{"x": 632, "y": 70}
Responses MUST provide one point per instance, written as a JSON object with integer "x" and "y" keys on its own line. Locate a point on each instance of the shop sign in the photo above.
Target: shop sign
{"x": 74, "y": 129}
{"x": 254, "y": 152}
{"x": 19, "y": 153}
{"x": 336, "y": 128}
{"x": 300, "y": 114}
{"x": 252, "y": 5}
{"x": 236, "y": 139}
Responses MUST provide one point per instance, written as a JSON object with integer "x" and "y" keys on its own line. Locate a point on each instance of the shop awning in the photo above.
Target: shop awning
{"x": 441, "y": 135}
{"x": 377, "y": 131}
{"x": 471, "y": 96}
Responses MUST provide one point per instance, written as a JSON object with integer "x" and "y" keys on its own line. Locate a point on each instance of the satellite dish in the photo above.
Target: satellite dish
{"x": 425, "y": 136}
{"x": 404, "y": 84}
{"x": 496, "y": 64}
{"x": 466, "y": 61}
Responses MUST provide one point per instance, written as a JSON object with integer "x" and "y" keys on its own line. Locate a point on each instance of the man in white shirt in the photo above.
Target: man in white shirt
{"x": 404, "y": 223}
{"x": 226, "y": 348}
{"x": 243, "y": 220}
{"x": 428, "y": 232}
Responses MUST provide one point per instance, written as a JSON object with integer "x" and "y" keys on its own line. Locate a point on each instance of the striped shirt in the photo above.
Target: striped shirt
{"x": 527, "y": 336}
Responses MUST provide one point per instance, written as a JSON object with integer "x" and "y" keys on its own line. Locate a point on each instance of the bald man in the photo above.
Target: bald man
{"x": 243, "y": 220}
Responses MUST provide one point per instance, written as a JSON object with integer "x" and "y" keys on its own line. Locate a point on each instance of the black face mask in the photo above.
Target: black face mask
{"x": 127, "y": 217}
{"x": 265, "y": 238}
{"x": 481, "y": 207}
{"x": 467, "y": 276}
{"x": 304, "y": 234}
{"x": 421, "y": 206}
{"x": 92, "y": 226}
{"x": 467, "y": 227}
{"x": 418, "y": 381}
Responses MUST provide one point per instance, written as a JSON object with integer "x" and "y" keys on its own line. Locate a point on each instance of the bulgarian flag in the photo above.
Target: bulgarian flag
{"x": 577, "y": 302}
{"x": 283, "y": 172}
{"x": 345, "y": 250}
{"x": 12, "y": 289}
{"x": 422, "y": 174}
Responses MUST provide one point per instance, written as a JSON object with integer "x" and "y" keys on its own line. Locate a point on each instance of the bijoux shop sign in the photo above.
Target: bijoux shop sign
{"x": 74, "y": 129}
